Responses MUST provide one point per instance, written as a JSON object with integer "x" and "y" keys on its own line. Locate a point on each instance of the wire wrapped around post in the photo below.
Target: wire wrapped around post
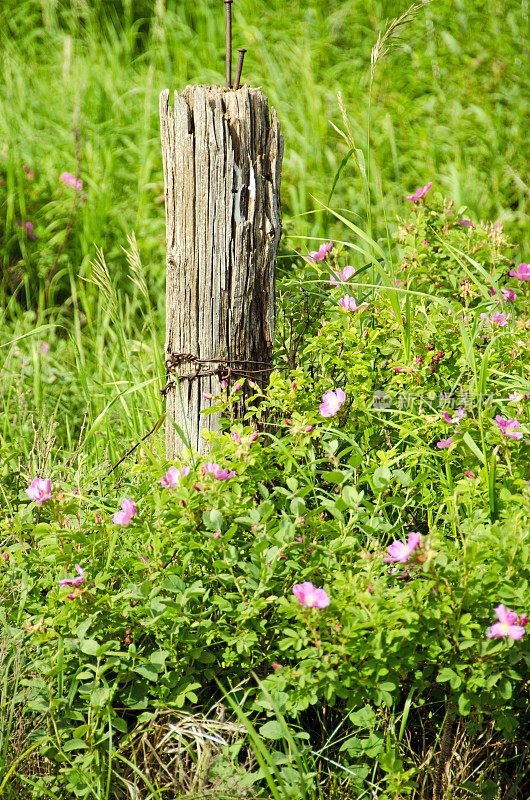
{"x": 228, "y": 372}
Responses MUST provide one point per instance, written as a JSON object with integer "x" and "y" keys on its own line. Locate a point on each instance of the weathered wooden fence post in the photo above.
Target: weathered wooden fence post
{"x": 222, "y": 154}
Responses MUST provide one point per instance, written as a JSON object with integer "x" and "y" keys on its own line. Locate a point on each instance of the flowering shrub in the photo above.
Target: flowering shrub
{"x": 352, "y": 553}
{"x": 205, "y": 584}
{"x": 424, "y": 629}
{"x": 452, "y": 257}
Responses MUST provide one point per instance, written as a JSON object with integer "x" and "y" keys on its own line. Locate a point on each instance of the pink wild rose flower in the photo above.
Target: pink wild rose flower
{"x": 508, "y": 427}
{"x": 506, "y": 626}
{"x": 309, "y": 596}
{"x": 500, "y": 318}
{"x": 460, "y": 414}
{"x": 70, "y": 180}
{"x": 507, "y": 294}
{"x": 522, "y": 273}
{"x": 40, "y": 489}
{"x": 332, "y": 402}
{"x": 338, "y": 277}
{"x": 73, "y": 581}
{"x": 172, "y": 477}
{"x": 218, "y": 473}
{"x": 401, "y": 551}
{"x": 348, "y": 304}
{"x": 497, "y": 318}
{"x": 419, "y": 193}
{"x": 320, "y": 254}
{"x": 128, "y": 511}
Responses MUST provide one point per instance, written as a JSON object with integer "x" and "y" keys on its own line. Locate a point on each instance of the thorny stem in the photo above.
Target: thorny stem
{"x": 312, "y": 628}
{"x": 446, "y": 746}
{"x": 133, "y": 448}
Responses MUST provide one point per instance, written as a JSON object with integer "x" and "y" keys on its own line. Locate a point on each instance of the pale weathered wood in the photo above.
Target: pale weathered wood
{"x": 222, "y": 154}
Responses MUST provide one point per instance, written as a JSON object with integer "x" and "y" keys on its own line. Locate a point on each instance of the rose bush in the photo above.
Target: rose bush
{"x": 353, "y": 552}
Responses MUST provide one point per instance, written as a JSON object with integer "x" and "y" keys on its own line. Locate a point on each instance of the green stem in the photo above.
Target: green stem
{"x": 446, "y": 747}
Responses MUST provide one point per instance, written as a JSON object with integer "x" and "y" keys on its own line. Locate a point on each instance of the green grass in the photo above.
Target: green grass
{"x": 79, "y": 92}
{"x": 96, "y": 389}
{"x": 449, "y": 103}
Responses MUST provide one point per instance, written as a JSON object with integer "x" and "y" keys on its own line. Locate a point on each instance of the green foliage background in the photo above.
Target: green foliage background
{"x": 79, "y": 86}
{"x": 450, "y": 102}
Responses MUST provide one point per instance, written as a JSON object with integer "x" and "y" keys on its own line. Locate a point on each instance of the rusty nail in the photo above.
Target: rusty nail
{"x": 228, "y": 8}
{"x": 239, "y": 68}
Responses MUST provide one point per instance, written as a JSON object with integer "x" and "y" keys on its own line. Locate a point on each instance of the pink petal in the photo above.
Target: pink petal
{"x": 171, "y": 478}
{"x": 39, "y": 490}
{"x": 70, "y": 180}
{"x": 496, "y": 630}
{"x": 121, "y": 518}
{"x": 128, "y": 507}
{"x": 309, "y": 596}
{"x": 502, "y": 613}
{"x": 396, "y": 551}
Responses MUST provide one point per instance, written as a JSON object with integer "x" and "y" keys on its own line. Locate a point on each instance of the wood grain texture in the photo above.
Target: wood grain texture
{"x": 222, "y": 154}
